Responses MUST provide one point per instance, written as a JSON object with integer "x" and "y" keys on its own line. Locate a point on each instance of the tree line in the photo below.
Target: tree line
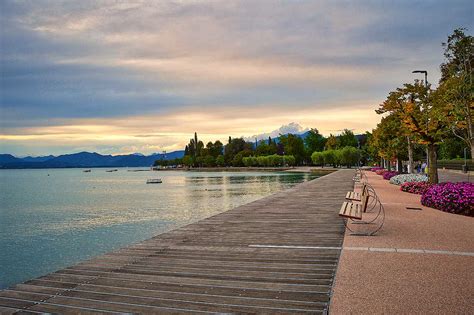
{"x": 418, "y": 117}
{"x": 286, "y": 150}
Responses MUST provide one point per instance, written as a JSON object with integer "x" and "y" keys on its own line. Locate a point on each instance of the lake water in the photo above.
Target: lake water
{"x": 53, "y": 218}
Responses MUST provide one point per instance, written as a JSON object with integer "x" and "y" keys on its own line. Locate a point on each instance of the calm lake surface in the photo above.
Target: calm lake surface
{"x": 50, "y": 219}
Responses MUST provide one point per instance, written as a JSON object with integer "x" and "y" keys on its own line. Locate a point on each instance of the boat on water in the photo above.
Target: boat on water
{"x": 154, "y": 181}
{"x": 114, "y": 170}
{"x": 86, "y": 171}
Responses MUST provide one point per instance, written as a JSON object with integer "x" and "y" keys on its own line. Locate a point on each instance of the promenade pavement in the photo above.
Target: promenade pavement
{"x": 420, "y": 262}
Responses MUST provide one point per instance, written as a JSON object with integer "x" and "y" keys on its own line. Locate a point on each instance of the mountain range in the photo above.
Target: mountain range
{"x": 85, "y": 159}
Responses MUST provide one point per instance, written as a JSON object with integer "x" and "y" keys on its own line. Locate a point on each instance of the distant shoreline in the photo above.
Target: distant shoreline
{"x": 301, "y": 169}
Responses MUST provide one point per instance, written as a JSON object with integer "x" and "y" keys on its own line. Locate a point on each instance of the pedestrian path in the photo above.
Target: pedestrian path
{"x": 419, "y": 263}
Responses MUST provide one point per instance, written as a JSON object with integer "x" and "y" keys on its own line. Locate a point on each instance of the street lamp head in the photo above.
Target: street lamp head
{"x": 420, "y": 71}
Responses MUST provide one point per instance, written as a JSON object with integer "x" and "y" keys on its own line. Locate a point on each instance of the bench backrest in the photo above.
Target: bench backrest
{"x": 365, "y": 189}
{"x": 365, "y": 201}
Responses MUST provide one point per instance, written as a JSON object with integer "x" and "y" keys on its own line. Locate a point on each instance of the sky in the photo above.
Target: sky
{"x": 118, "y": 77}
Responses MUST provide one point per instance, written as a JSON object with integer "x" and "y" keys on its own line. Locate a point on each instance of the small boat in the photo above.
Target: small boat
{"x": 86, "y": 171}
{"x": 114, "y": 170}
{"x": 154, "y": 181}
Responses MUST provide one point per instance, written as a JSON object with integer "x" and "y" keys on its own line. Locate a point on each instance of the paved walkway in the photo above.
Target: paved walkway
{"x": 252, "y": 259}
{"x": 420, "y": 262}
{"x": 455, "y": 176}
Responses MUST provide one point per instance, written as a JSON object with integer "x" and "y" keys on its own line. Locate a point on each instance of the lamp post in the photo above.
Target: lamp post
{"x": 426, "y": 75}
{"x": 426, "y": 86}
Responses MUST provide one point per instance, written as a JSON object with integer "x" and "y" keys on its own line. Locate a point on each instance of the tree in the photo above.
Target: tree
{"x": 234, "y": 147}
{"x": 421, "y": 114}
{"x": 389, "y": 139}
{"x": 217, "y": 149}
{"x": 265, "y": 149}
{"x": 347, "y": 139}
{"x": 451, "y": 148}
{"x": 293, "y": 145}
{"x": 314, "y": 141}
{"x": 348, "y": 156}
{"x": 188, "y": 160}
{"x": 289, "y": 160}
{"x": 220, "y": 161}
{"x": 330, "y": 157}
{"x": 456, "y": 86}
{"x": 318, "y": 158}
{"x": 331, "y": 142}
{"x": 208, "y": 161}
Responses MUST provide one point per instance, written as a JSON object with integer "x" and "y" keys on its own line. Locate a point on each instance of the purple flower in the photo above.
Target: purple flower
{"x": 415, "y": 187}
{"x": 450, "y": 197}
{"x": 389, "y": 174}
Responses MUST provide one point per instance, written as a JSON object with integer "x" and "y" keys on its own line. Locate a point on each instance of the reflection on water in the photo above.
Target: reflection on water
{"x": 50, "y": 219}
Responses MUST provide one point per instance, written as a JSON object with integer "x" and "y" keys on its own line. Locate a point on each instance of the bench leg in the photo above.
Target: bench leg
{"x": 373, "y": 225}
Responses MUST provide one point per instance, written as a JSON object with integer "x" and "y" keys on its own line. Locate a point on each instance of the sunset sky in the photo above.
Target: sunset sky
{"x": 141, "y": 76}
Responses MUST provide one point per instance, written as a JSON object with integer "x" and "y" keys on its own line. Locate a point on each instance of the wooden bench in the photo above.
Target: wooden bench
{"x": 355, "y": 196}
{"x": 353, "y": 210}
{"x": 359, "y": 176}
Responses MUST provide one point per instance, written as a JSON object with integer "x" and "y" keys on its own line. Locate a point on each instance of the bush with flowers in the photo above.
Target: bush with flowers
{"x": 450, "y": 197}
{"x": 415, "y": 187}
{"x": 408, "y": 178}
{"x": 376, "y": 168}
{"x": 380, "y": 172}
{"x": 389, "y": 174}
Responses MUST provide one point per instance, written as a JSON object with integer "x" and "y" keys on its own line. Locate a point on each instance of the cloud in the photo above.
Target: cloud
{"x": 166, "y": 68}
{"x": 172, "y": 131}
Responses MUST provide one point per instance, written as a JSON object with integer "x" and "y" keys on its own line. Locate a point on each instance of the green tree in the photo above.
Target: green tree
{"x": 347, "y": 139}
{"x": 209, "y": 161}
{"x": 421, "y": 114}
{"x": 348, "y": 156}
{"x": 331, "y": 143}
{"x": 314, "y": 141}
{"x": 220, "y": 161}
{"x": 289, "y": 160}
{"x": 293, "y": 145}
{"x": 456, "y": 86}
{"x": 390, "y": 139}
{"x": 234, "y": 147}
{"x": 214, "y": 149}
{"x": 451, "y": 148}
{"x": 318, "y": 158}
{"x": 237, "y": 159}
{"x": 188, "y": 160}
{"x": 330, "y": 157}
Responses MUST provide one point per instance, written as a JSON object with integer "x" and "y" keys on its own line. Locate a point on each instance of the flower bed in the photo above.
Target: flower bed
{"x": 389, "y": 174}
{"x": 415, "y": 187}
{"x": 408, "y": 178}
{"x": 373, "y": 169}
{"x": 380, "y": 172}
{"x": 450, "y": 197}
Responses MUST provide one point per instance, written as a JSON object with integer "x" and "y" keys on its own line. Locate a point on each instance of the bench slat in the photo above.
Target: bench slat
{"x": 351, "y": 195}
{"x": 351, "y": 210}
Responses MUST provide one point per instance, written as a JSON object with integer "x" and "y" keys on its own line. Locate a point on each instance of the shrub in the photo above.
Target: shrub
{"x": 262, "y": 161}
{"x": 317, "y": 158}
{"x": 380, "y": 172}
{"x": 373, "y": 169}
{"x": 329, "y": 157}
{"x": 348, "y": 156}
{"x": 389, "y": 174}
{"x": 450, "y": 197}
{"x": 289, "y": 160}
{"x": 415, "y": 187}
{"x": 408, "y": 178}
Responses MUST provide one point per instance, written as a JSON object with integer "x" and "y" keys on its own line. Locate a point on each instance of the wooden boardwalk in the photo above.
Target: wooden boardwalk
{"x": 245, "y": 260}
